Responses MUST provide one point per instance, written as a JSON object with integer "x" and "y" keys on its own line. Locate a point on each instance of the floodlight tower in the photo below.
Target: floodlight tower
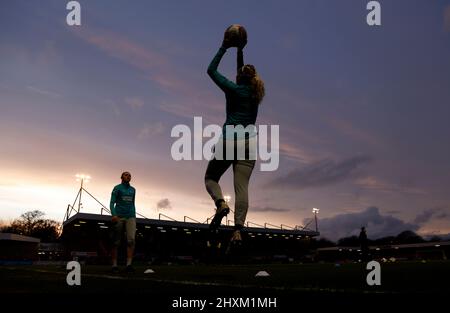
{"x": 81, "y": 178}
{"x": 315, "y": 211}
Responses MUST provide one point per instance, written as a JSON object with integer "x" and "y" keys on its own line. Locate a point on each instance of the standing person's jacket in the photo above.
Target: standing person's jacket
{"x": 122, "y": 201}
{"x": 241, "y": 108}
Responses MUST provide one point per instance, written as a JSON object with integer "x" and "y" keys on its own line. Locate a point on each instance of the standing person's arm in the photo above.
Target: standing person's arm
{"x": 240, "y": 58}
{"x": 134, "y": 198}
{"x": 225, "y": 84}
{"x": 112, "y": 204}
{"x": 240, "y": 54}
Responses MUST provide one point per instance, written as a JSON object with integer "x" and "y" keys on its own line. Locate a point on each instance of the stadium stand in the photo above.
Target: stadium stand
{"x": 88, "y": 237}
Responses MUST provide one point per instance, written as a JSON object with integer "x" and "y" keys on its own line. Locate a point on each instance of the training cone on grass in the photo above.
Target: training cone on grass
{"x": 149, "y": 271}
{"x": 262, "y": 274}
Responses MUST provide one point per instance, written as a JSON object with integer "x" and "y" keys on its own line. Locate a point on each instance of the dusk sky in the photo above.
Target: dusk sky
{"x": 363, "y": 111}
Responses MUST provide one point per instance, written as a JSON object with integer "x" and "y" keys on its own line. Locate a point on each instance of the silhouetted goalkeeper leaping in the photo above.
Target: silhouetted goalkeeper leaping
{"x": 242, "y": 101}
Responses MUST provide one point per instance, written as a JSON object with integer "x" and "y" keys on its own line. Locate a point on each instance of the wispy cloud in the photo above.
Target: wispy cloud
{"x": 427, "y": 214}
{"x": 318, "y": 174}
{"x": 119, "y": 47}
{"x": 213, "y": 114}
{"x": 159, "y": 69}
{"x": 163, "y": 204}
{"x": 134, "y": 102}
{"x": 269, "y": 209}
{"x": 373, "y": 183}
{"x": 151, "y": 130}
{"x": 296, "y": 153}
{"x": 349, "y": 129}
{"x": 43, "y": 92}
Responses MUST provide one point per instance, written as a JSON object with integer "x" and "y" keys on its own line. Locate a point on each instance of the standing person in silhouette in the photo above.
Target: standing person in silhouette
{"x": 363, "y": 243}
{"x": 242, "y": 101}
{"x": 123, "y": 214}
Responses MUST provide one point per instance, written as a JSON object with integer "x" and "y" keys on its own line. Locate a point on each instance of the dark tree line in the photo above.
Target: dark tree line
{"x": 405, "y": 237}
{"x": 33, "y": 224}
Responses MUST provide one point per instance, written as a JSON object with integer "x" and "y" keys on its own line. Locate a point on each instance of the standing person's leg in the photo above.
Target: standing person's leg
{"x": 217, "y": 166}
{"x": 131, "y": 234}
{"x": 242, "y": 171}
{"x": 117, "y": 230}
{"x": 215, "y": 170}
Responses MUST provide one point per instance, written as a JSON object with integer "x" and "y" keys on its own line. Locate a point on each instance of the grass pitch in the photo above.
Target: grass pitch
{"x": 396, "y": 278}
